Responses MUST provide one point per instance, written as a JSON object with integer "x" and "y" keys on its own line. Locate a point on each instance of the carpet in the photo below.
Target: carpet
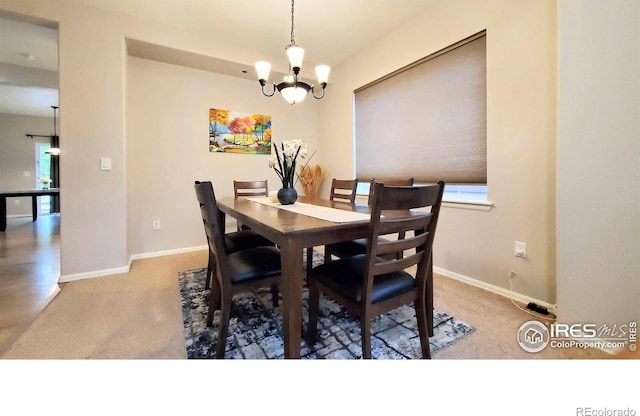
{"x": 255, "y": 328}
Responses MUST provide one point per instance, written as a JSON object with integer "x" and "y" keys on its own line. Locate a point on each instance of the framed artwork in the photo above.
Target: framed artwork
{"x": 234, "y": 132}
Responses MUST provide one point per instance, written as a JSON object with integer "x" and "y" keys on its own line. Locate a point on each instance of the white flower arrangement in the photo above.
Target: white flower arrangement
{"x": 286, "y": 160}
{"x": 46, "y": 181}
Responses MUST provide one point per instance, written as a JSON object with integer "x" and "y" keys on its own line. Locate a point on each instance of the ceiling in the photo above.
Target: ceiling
{"x": 329, "y": 30}
{"x": 28, "y": 68}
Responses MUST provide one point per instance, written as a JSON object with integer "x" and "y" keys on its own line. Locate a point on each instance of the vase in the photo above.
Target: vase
{"x": 287, "y": 196}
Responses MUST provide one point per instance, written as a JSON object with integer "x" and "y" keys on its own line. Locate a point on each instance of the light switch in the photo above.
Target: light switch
{"x": 26, "y": 173}
{"x": 105, "y": 163}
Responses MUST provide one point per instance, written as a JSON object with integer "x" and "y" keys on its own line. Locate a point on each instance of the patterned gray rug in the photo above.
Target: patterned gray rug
{"x": 255, "y": 328}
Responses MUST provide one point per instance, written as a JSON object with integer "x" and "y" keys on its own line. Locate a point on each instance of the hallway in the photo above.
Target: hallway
{"x": 29, "y": 271}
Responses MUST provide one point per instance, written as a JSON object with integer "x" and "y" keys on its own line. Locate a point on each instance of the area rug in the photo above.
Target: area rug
{"x": 255, "y": 328}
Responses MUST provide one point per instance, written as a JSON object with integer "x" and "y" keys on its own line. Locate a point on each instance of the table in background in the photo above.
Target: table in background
{"x": 33, "y": 193}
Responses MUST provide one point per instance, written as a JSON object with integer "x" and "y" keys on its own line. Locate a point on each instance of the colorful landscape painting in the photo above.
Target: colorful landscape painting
{"x": 233, "y": 132}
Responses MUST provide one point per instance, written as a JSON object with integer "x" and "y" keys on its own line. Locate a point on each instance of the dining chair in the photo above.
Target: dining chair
{"x": 342, "y": 190}
{"x": 238, "y": 271}
{"x": 234, "y": 241}
{"x": 366, "y": 284}
{"x": 249, "y": 188}
{"x": 359, "y": 246}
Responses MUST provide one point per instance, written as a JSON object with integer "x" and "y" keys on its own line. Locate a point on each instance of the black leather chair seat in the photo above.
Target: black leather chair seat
{"x": 345, "y": 276}
{"x": 243, "y": 240}
{"x": 254, "y": 264}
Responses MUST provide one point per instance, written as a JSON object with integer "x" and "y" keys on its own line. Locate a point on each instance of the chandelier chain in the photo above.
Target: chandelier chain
{"x": 293, "y": 42}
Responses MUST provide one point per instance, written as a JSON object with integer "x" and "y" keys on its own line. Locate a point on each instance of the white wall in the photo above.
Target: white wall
{"x": 168, "y": 147}
{"x": 598, "y": 191}
{"x": 93, "y": 90}
{"x": 521, "y": 97}
{"x": 18, "y": 155}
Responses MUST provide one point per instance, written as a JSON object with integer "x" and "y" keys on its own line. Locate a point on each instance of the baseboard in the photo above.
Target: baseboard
{"x": 608, "y": 350}
{"x": 493, "y": 288}
{"x": 125, "y": 269}
{"x": 165, "y": 253}
{"x": 90, "y": 275}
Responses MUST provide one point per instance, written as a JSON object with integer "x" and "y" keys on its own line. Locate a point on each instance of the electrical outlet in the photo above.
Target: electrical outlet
{"x": 520, "y": 249}
{"x": 156, "y": 224}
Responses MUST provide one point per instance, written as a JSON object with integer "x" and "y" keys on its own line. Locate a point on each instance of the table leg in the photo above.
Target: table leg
{"x": 34, "y": 207}
{"x": 3, "y": 213}
{"x": 291, "y": 288}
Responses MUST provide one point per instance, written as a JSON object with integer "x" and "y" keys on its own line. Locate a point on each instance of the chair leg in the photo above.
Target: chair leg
{"x": 223, "y": 329}
{"x": 274, "y": 295}
{"x": 309, "y": 258}
{"x": 365, "y": 330}
{"x": 429, "y": 296}
{"x": 314, "y": 307}
{"x": 214, "y": 301}
{"x": 210, "y": 269}
{"x": 423, "y": 327}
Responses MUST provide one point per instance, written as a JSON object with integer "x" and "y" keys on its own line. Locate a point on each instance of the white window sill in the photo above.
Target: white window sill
{"x": 470, "y": 205}
{"x": 466, "y": 197}
{"x": 474, "y": 202}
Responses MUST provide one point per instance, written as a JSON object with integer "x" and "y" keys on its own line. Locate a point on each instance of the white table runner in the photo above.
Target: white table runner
{"x": 316, "y": 211}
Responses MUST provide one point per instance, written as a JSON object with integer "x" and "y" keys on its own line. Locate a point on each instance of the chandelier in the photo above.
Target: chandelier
{"x": 292, "y": 89}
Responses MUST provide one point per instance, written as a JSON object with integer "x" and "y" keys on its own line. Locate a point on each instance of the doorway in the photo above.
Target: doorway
{"x": 29, "y": 250}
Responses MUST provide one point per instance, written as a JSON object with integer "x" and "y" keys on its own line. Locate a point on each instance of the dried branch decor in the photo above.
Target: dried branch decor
{"x": 311, "y": 178}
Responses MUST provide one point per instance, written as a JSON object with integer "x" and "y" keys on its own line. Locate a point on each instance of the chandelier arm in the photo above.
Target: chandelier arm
{"x": 313, "y": 92}
{"x": 262, "y": 84}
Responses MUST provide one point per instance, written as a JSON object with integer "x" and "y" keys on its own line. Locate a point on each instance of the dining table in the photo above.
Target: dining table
{"x": 33, "y": 193}
{"x": 307, "y": 223}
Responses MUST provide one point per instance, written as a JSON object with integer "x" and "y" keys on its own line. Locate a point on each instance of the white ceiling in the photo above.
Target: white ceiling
{"x": 329, "y": 30}
{"x": 28, "y": 68}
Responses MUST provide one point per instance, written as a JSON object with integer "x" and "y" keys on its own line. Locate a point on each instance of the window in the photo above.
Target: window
{"x": 43, "y": 170}
{"x": 428, "y": 121}
{"x": 474, "y": 194}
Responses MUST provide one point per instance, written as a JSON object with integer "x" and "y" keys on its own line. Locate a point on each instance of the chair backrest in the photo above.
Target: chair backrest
{"x": 387, "y": 182}
{"x": 407, "y": 208}
{"x": 343, "y": 190}
{"x": 250, "y": 188}
{"x": 212, "y": 219}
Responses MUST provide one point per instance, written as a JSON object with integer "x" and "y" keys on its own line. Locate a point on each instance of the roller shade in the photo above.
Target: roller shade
{"x": 427, "y": 120}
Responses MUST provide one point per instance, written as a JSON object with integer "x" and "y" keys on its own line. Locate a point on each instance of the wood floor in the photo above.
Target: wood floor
{"x": 29, "y": 271}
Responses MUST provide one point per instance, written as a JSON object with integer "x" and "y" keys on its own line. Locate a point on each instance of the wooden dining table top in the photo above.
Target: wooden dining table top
{"x": 274, "y": 222}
